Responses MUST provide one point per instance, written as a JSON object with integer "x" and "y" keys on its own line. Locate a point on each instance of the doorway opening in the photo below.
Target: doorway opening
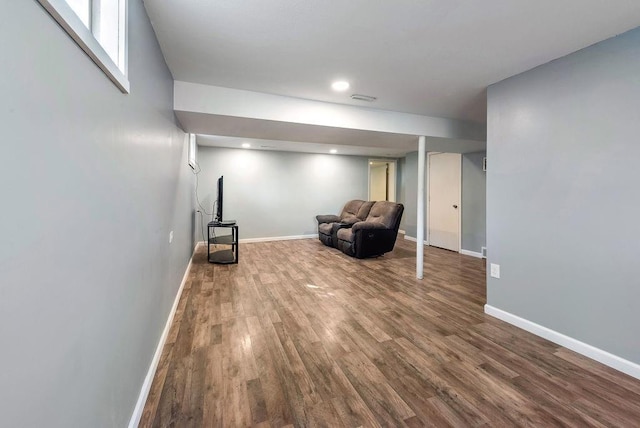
{"x": 382, "y": 180}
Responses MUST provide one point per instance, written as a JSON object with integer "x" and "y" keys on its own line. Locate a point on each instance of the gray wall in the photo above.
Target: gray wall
{"x": 562, "y": 200}
{"x": 400, "y": 187}
{"x": 92, "y": 181}
{"x": 473, "y": 198}
{"x": 274, "y": 194}
{"x": 409, "y": 193}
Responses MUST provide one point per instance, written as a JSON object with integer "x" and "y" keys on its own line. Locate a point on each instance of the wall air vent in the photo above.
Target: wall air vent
{"x": 360, "y": 97}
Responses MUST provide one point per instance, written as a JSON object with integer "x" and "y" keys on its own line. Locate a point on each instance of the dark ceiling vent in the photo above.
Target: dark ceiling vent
{"x": 360, "y": 97}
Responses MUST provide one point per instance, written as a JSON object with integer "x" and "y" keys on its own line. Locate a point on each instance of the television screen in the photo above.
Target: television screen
{"x": 219, "y": 200}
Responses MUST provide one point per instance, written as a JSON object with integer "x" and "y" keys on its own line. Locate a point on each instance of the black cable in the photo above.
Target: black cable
{"x": 202, "y": 209}
{"x": 197, "y": 196}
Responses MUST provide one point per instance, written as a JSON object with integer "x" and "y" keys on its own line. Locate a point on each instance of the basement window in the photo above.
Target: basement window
{"x": 99, "y": 27}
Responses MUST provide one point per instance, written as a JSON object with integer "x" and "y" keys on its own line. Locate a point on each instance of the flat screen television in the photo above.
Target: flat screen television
{"x": 219, "y": 200}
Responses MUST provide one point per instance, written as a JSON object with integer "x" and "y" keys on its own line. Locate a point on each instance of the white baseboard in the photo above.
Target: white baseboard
{"x": 604, "y": 357}
{"x": 472, "y": 254}
{"x": 278, "y": 238}
{"x": 148, "y": 380}
{"x": 412, "y": 239}
{"x": 465, "y": 252}
{"x": 271, "y": 238}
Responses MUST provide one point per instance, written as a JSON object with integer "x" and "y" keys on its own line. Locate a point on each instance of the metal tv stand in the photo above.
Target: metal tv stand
{"x": 229, "y": 254}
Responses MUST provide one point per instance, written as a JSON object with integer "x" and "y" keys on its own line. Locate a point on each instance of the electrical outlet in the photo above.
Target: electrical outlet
{"x": 495, "y": 270}
{"x": 170, "y": 237}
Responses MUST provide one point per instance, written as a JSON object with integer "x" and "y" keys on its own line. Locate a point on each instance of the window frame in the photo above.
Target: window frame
{"x": 73, "y": 25}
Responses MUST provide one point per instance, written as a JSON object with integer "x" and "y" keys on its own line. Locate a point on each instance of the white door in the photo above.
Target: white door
{"x": 444, "y": 200}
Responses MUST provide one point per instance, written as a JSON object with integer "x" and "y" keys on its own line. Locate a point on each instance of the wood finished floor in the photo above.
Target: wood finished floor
{"x": 298, "y": 334}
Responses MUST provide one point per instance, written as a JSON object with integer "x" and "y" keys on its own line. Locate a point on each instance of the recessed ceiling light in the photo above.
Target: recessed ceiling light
{"x": 340, "y": 85}
{"x": 333, "y": 151}
{"x": 246, "y": 145}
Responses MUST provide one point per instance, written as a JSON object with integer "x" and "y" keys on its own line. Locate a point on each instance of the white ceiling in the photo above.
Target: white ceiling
{"x": 429, "y": 57}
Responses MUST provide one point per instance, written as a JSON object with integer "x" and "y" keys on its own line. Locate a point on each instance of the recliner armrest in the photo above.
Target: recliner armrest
{"x": 328, "y": 218}
{"x": 336, "y": 226}
{"x": 350, "y": 221}
{"x": 367, "y": 225}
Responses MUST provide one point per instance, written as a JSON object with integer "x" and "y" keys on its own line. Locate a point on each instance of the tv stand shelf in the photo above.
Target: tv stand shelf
{"x": 227, "y": 255}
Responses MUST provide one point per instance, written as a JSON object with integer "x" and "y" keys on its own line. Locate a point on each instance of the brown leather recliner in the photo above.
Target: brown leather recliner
{"x": 328, "y": 225}
{"x": 375, "y": 235}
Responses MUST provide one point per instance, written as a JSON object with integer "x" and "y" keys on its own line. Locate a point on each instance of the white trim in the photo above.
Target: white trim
{"x": 472, "y": 254}
{"x": 71, "y": 23}
{"x": 460, "y": 205}
{"x": 604, "y": 357}
{"x": 148, "y": 380}
{"x": 278, "y": 238}
{"x": 393, "y": 187}
{"x": 420, "y": 205}
{"x": 413, "y": 239}
{"x": 427, "y": 201}
{"x": 369, "y": 179}
{"x": 271, "y": 238}
{"x": 192, "y": 151}
{"x": 123, "y": 40}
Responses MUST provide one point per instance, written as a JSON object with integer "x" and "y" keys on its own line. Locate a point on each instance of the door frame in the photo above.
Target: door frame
{"x": 395, "y": 176}
{"x": 428, "y": 199}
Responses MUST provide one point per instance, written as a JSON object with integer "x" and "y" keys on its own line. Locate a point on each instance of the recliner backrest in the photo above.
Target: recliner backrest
{"x": 387, "y": 213}
{"x": 355, "y": 210}
{"x": 364, "y": 210}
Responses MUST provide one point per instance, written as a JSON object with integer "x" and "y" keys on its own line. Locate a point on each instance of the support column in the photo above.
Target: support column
{"x": 420, "y": 216}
